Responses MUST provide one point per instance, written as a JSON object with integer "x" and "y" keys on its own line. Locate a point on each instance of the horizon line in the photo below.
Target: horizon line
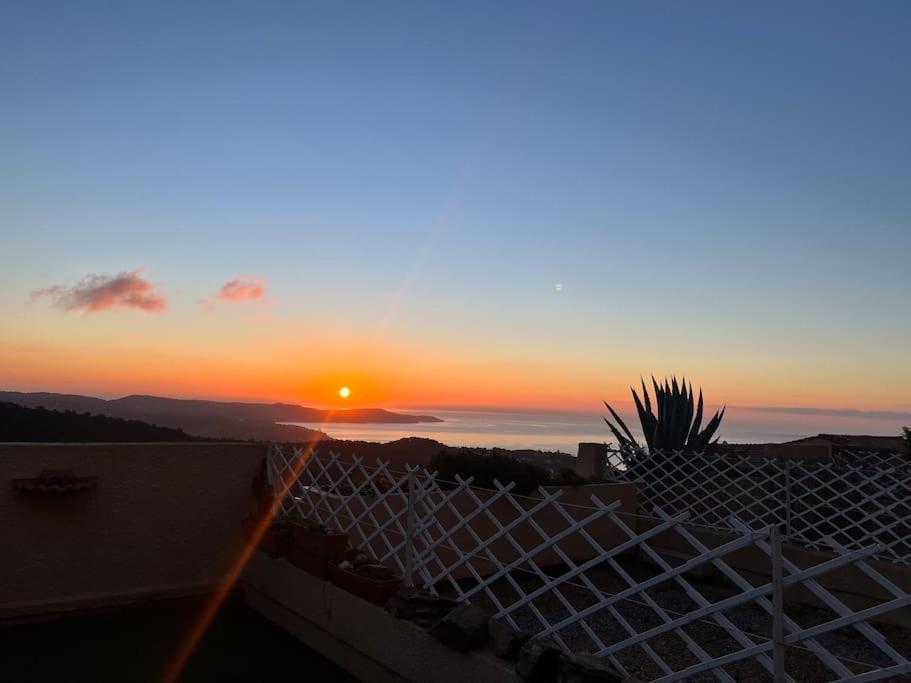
{"x": 536, "y": 409}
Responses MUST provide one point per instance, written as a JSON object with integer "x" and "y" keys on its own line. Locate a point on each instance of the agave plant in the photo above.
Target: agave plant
{"x": 676, "y": 426}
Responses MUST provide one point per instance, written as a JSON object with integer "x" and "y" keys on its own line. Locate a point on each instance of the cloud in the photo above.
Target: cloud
{"x": 243, "y": 288}
{"x": 95, "y": 293}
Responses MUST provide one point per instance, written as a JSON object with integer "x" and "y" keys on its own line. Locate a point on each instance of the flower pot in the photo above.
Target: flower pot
{"x": 275, "y": 540}
{"x": 326, "y": 544}
{"x": 312, "y": 551}
{"x": 374, "y": 591}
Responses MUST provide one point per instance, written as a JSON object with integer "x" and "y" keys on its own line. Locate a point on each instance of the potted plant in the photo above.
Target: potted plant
{"x": 313, "y": 546}
{"x": 365, "y": 577}
{"x": 275, "y": 539}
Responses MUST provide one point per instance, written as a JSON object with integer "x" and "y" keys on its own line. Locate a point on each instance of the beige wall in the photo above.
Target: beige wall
{"x": 577, "y": 500}
{"x": 362, "y": 638}
{"x": 164, "y": 520}
{"x": 847, "y": 583}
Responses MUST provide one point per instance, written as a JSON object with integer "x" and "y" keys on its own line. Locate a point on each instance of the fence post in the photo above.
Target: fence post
{"x": 591, "y": 460}
{"x": 777, "y": 605}
{"x": 269, "y": 457}
{"x": 787, "y": 494}
{"x": 409, "y": 530}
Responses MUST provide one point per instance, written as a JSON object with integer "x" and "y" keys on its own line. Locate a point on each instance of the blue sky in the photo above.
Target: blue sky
{"x": 719, "y": 188}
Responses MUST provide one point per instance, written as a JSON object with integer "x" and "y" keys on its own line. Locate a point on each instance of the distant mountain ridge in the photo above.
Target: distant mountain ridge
{"x": 139, "y": 406}
{"x": 47, "y": 417}
{"x": 21, "y": 424}
{"x": 211, "y": 419}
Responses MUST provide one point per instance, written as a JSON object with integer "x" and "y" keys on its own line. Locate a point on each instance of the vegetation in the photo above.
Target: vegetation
{"x": 568, "y": 477}
{"x": 20, "y": 424}
{"x": 313, "y": 527}
{"x": 487, "y": 468}
{"x": 677, "y": 424}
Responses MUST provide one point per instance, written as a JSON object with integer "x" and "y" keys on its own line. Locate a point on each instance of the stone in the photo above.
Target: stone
{"x": 507, "y": 641}
{"x": 463, "y": 629}
{"x": 539, "y": 661}
{"x": 356, "y": 557}
{"x": 586, "y": 668}
{"x": 361, "y": 559}
{"x": 420, "y": 607}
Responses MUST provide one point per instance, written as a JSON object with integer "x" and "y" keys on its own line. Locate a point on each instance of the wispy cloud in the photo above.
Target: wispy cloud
{"x": 95, "y": 293}
{"x": 243, "y": 288}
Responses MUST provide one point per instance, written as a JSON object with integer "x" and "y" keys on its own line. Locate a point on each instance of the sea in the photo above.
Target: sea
{"x": 563, "y": 431}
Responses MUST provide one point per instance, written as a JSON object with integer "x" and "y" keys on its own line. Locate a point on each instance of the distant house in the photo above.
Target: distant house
{"x": 854, "y": 442}
{"x": 821, "y": 447}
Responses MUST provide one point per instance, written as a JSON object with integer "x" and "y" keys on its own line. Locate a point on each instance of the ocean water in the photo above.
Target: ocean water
{"x": 488, "y": 428}
{"x": 563, "y": 431}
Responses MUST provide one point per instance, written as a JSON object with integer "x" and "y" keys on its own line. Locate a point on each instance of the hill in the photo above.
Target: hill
{"x": 213, "y": 419}
{"x": 420, "y": 451}
{"x": 140, "y": 407}
{"x": 153, "y": 418}
{"x": 20, "y": 424}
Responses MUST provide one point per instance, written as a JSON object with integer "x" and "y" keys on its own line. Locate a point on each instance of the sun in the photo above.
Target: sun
{"x": 344, "y": 392}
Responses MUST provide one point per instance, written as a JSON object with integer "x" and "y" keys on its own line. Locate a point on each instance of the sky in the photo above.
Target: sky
{"x": 457, "y": 204}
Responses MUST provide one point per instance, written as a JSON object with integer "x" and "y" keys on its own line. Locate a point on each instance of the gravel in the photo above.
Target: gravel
{"x": 847, "y": 643}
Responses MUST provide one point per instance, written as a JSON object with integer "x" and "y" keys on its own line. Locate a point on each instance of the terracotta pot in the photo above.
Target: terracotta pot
{"x": 375, "y": 591}
{"x": 275, "y": 541}
{"x": 320, "y": 544}
{"x": 313, "y": 551}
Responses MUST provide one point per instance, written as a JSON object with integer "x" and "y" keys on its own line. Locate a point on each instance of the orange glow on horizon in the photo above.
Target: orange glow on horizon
{"x": 401, "y": 374}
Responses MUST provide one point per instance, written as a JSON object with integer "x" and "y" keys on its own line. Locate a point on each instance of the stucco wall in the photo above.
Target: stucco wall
{"x": 576, "y": 499}
{"x": 361, "y": 638}
{"x": 847, "y": 583}
{"x": 578, "y": 504}
{"x": 164, "y": 520}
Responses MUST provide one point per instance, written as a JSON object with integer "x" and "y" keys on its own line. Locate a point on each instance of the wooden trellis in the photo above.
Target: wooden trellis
{"x": 812, "y": 500}
{"x": 550, "y": 568}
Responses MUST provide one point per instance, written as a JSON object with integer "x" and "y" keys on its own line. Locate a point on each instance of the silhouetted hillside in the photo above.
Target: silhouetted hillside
{"x": 148, "y": 407}
{"x": 420, "y": 451}
{"x": 18, "y": 424}
{"x": 209, "y": 419}
{"x": 165, "y": 419}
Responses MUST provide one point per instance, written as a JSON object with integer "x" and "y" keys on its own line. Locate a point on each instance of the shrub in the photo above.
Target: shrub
{"x": 568, "y": 477}
{"x": 487, "y": 468}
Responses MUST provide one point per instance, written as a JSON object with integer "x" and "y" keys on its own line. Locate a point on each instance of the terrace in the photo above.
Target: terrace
{"x": 131, "y": 548}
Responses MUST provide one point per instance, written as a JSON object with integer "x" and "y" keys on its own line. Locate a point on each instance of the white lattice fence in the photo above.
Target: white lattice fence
{"x": 879, "y": 459}
{"x": 812, "y": 501}
{"x": 852, "y": 506}
{"x": 573, "y": 573}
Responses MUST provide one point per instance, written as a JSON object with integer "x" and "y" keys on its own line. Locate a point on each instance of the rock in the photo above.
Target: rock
{"x": 586, "y": 668}
{"x": 419, "y": 606}
{"x": 362, "y": 559}
{"x": 463, "y": 629}
{"x": 356, "y": 557}
{"x": 507, "y": 641}
{"x": 539, "y": 661}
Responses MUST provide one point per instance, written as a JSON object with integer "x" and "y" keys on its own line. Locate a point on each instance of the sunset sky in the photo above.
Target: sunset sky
{"x": 457, "y": 204}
